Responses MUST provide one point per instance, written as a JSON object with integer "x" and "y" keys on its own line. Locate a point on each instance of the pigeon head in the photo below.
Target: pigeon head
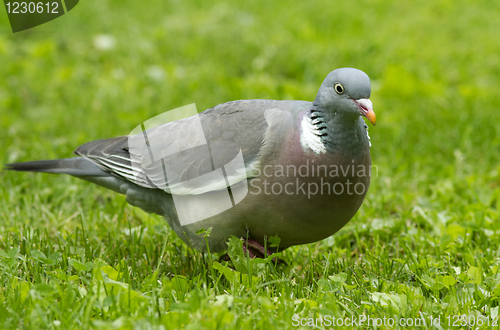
{"x": 346, "y": 92}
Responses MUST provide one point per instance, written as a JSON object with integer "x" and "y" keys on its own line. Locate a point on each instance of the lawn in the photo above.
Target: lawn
{"x": 423, "y": 249}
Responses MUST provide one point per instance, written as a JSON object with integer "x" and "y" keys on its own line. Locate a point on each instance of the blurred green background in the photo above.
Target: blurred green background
{"x": 106, "y": 66}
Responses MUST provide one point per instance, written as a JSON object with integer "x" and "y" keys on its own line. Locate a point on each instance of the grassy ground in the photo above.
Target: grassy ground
{"x": 425, "y": 243}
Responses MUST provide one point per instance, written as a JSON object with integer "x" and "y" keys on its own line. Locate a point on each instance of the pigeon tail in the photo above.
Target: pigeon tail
{"x": 76, "y": 166}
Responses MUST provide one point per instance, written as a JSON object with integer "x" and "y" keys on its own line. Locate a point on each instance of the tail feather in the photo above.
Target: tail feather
{"x": 76, "y": 166}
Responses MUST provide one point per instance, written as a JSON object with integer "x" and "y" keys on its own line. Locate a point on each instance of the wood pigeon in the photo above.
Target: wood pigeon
{"x": 248, "y": 168}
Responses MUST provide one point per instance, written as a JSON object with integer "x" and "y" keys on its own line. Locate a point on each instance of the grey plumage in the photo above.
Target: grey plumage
{"x": 328, "y": 131}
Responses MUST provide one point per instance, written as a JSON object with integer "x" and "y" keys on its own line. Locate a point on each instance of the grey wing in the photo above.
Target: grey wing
{"x": 186, "y": 156}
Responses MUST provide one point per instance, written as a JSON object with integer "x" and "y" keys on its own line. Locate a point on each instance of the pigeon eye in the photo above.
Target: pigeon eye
{"x": 339, "y": 88}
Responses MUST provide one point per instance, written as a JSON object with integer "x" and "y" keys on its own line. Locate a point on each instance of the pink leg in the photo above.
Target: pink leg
{"x": 257, "y": 247}
{"x": 259, "y": 250}
{"x": 246, "y": 249}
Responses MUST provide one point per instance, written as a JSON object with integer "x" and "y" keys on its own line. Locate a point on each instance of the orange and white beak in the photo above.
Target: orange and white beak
{"x": 365, "y": 107}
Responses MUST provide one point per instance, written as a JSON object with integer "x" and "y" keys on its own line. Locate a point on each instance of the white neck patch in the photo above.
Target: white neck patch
{"x": 368, "y": 135}
{"x": 309, "y": 136}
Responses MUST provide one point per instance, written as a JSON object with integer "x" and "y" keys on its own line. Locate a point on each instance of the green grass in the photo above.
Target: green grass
{"x": 425, "y": 242}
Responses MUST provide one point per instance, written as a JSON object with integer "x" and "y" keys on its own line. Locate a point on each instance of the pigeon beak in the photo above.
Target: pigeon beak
{"x": 365, "y": 107}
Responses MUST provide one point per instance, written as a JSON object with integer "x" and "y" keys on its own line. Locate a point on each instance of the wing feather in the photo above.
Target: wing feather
{"x": 176, "y": 152}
